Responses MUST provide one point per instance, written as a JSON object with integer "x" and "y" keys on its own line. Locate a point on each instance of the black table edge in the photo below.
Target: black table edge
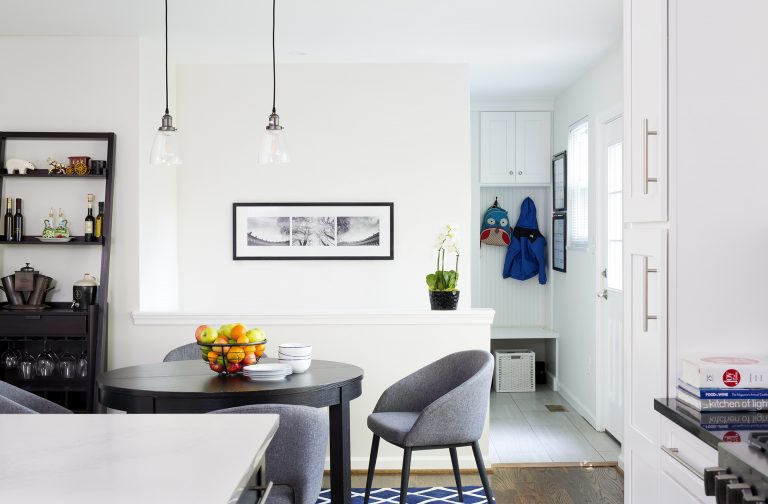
{"x": 667, "y": 407}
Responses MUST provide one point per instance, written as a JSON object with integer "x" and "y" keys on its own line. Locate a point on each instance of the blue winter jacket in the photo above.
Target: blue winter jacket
{"x": 526, "y": 254}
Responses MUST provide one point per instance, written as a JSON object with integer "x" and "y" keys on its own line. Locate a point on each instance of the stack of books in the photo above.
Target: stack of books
{"x": 726, "y": 395}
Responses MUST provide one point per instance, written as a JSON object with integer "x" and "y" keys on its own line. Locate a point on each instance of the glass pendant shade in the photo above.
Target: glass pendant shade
{"x": 274, "y": 148}
{"x": 166, "y": 149}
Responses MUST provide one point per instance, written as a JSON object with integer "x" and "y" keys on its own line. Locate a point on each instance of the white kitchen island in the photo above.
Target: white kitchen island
{"x": 130, "y": 458}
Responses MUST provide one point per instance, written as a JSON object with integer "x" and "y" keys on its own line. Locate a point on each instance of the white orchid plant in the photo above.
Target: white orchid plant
{"x": 442, "y": 280}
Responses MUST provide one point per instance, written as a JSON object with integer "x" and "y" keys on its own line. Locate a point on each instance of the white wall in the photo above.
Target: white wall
{"x": 596, "y": 92}
{"x": 77, "y": 84}
{"x": 400, "y": 141}
{"x": 361, "y": 133}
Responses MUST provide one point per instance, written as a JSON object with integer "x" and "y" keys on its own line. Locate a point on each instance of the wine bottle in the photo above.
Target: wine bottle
{"x": 98, "y": 231}
{"x": 89, "y": 221}
{"x": 8, "y": 227}
{"x": 18, "y": 223}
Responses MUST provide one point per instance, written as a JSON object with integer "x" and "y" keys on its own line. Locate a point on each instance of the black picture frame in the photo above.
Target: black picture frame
{"x": 560, "y": 182}
{"x": 384, "y": 249}
{"x": 559, "y": 242}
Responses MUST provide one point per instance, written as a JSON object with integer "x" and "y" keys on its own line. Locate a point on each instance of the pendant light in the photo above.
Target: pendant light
{"x": 166, "y": 148}
{"x": 274, "y": 149}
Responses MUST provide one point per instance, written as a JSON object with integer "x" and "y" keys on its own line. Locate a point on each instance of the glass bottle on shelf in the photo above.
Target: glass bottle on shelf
{"x": 89, "y": 221}
{"x": 18, "y": 223}
{"x": 98, "y": 230}
{"x": 8, "y": 226}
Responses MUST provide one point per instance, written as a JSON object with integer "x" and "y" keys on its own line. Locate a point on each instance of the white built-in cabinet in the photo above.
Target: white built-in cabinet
{"x": 645, "y": 53}
{"x": 695, "y": 107}
{"x": 515, "y": 148}
{"x": 645, "y": 347}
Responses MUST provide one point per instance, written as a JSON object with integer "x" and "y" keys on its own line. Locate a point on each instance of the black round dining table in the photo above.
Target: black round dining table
{"x": 191, "y": 387}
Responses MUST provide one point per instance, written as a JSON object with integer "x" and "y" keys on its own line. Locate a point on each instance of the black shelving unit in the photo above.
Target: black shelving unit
{"x": 61, "y": 328}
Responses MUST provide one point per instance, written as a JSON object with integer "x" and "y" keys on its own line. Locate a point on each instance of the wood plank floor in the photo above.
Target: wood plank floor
{"x": 528, "y": 485}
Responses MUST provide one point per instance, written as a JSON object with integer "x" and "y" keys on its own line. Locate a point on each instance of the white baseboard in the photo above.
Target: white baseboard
{"x": 588, "y": 415}
{"x": 439, "y": 459}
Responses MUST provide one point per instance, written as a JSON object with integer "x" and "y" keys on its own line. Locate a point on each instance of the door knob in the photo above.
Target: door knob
{"x": 603, "y": 294}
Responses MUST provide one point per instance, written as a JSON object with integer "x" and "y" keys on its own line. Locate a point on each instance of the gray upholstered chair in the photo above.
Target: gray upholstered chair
{"x": 442, "y": 405}
{"x": 29, "y": 400}
{"x": 296, "y": 456}
{"x": 190, "y": 351}
{"x": 7, "y": 406}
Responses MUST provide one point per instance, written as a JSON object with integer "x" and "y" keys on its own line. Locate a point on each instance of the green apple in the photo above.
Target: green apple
{"x": 208, "y": 335}
{"x": 205, "y": 349}
{"x": 226, "y": 330}
{"x": 255, "y": 335}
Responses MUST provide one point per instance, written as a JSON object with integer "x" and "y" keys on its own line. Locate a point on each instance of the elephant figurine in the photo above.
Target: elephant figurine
{"x": 18, "y": 165}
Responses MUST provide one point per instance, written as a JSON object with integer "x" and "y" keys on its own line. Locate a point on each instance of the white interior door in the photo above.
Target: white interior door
{"x": 610, "y": 295}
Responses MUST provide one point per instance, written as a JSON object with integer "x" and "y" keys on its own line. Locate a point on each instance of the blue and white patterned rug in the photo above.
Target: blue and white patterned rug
{"x": 433, "y": 495}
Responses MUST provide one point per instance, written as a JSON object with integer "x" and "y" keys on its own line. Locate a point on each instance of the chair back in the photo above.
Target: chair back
{"x": 29, "y": 400}
{"x": 296, "y": 455}
{"x": 190, "y": 351}
{"x": 9, "y": 407}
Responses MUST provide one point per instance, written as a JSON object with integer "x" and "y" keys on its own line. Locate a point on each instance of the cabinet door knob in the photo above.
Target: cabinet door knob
{"x": 520, "y": 173}
{"x": 511, "y": 172}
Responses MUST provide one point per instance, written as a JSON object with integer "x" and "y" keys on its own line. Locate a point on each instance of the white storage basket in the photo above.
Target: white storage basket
{"x": 515, "y": 371}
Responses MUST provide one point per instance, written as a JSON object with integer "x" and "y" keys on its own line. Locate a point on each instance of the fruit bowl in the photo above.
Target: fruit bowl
{"x": 231, "y": 347}
{"x": 229, "y": 358}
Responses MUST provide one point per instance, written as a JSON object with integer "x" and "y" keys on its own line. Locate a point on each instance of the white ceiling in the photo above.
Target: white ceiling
{"x": 514, "y": 48}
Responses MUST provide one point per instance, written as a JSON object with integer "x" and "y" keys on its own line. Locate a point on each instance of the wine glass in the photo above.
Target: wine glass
{"x": 10, "y": 358}
{"x": 47, "y": 361}
{"x": 27, "y": 366}
{"x": 68, "y": 366}
{"x": 82, "y": 365}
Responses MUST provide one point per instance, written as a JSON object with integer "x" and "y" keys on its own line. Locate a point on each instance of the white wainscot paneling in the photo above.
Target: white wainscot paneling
{"x": 516, "y": 303}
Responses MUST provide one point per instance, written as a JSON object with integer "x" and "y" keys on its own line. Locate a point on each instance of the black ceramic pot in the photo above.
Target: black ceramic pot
{"x": 444, "y": 300}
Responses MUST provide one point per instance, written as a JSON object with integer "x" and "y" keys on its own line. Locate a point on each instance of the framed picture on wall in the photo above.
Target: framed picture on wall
{"x": 560, "y": 182}
{"x": 313, "y": 231}
{"x": 559, "y": 236}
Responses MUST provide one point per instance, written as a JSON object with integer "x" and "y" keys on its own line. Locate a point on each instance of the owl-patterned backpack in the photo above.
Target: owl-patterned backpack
{"x": 495, "y": 229}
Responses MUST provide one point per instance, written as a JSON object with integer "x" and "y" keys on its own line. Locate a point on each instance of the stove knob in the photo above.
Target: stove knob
{"x": 709, "y": 479}
{"x": 736, "y": 492}
{"x": 721, "y": 486}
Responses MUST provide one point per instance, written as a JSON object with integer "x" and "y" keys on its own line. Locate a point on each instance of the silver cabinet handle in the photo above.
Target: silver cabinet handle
{"x": 674, "y": 453}
{"x": 646, "y": 270}
{"x": 646, "y": 134}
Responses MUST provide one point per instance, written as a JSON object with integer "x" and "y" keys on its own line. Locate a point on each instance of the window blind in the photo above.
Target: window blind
{"x": 578, "y": 184}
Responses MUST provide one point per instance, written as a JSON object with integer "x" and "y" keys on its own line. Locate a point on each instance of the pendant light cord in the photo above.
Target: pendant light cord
{"x": 166, "y": 57}
{"x": 274, "y": 72}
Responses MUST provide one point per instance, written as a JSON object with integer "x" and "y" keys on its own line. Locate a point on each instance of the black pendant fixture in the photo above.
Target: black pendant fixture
{"x": 166, "y": 148}
{"x": 274, "y": 148}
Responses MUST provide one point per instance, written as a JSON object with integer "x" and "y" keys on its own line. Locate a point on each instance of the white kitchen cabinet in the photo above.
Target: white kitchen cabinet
{"x": 533, "y": 147}
{"x": 645, "y": 347}
{"x": 515, "y": 148}
{"x": 683, "y": 460}
{"x": 497, "y": 148}
{"x": 645, "y": 75}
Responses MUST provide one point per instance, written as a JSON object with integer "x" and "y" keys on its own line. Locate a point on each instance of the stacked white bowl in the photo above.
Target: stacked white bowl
{"x": 296, "y": 355}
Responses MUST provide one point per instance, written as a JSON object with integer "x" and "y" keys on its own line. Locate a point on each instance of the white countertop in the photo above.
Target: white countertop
{"x": 130, "y": 458}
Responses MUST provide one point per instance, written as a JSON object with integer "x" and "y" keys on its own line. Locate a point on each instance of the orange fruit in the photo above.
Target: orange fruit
{"x": 238, "y": 331}
{"x": 243, "y": 339}
{"x": 212, "y": 356}
{"x": 249, "y": 349}
{"x": 259, "y": 349}
{"x": 235, "y": 354}
{"x": 219, "y": 349}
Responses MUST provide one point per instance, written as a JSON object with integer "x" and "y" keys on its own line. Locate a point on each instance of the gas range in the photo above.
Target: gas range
{"x": 742, "y": 472}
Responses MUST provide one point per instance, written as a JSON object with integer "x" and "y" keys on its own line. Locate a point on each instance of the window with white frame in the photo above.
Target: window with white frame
{"x": 578, "y": 184}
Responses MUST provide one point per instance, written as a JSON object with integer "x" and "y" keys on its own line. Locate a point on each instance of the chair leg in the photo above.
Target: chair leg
{"x": 405, "y": 475}
{"x": 481, "y": 470}
{"x": 371, "y": 467}
{"x": 456, "y": 473}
